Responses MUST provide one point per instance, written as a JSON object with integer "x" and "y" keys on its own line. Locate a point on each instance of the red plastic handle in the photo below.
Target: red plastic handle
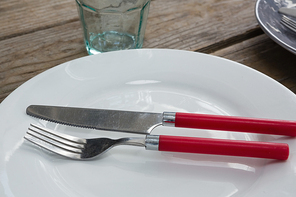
{"x": 232, "y": 123}
{"x": 224, "y": 147}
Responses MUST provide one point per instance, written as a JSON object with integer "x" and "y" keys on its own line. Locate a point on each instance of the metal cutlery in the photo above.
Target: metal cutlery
{"x": 288, "y": 11}
{"x": 145, "y": 122}
{"x": 82, "y": 149}
{"x": 289, "y": 23}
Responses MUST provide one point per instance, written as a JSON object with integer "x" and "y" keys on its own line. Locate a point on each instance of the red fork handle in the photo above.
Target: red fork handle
{"x": 241, "y": 148}
{"x": 232, "y": 123}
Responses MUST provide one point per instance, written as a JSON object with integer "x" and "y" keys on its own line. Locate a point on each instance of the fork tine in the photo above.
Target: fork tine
{"x": 60, "y": 135}
{"x": 51, "y": 147}
{"x": 54, "y": 140}
{"x": 59, "y": 143}
{"x": 289, "y": 23}
{"x": 56, "y": 136}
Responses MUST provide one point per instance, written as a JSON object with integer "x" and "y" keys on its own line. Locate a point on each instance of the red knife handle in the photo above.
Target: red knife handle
{"x": 233, "y": 123}
{"x": 241, "y": 148}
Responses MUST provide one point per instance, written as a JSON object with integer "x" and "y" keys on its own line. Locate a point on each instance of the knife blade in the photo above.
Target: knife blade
{"x": 288, "y": 11}
{"x": 145, "y": 122}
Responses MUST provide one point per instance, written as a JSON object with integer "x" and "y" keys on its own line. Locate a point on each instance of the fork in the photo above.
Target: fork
{"x": 289, "y": 23}
{"x": 82, "y": 149}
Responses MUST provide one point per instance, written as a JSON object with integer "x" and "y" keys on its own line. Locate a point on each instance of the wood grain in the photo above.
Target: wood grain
{"x": 19, "y": 17}
{"x": 25, "y": 56}
{"x": 194, "y": 25}
{"x": 37, "y": 35}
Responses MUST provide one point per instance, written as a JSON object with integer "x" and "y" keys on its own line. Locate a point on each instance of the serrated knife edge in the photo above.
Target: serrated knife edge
{"x": 101, "y": 119}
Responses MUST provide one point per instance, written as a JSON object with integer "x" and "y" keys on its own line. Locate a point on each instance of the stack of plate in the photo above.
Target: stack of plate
{"x": 269, "y": 19}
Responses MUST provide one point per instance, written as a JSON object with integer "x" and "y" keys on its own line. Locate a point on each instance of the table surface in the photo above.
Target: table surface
{"x": 36, "y": 36}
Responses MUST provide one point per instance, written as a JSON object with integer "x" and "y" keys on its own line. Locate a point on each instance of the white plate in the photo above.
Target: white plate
{"x": 269, "y": 18}
{"x": 154, "y": 81}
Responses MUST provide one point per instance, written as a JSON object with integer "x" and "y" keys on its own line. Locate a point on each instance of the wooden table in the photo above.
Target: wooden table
{"x": 36, "y": 35}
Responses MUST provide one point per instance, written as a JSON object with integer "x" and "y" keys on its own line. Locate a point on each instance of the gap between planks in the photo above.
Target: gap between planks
{"x": 231, "y": 41}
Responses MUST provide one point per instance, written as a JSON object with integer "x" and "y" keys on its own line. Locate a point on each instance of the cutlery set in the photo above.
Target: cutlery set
{"x": 144, "y": 123}
{"x": 286, "y": 21}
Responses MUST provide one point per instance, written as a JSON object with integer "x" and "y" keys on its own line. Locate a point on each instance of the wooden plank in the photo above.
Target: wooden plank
{"x": 25, "y": 56}
{"x": 189, "y": 25}
{"x": 264, "y": 55}
{"x": 18, "y": 17}
{"x": 51, "y": 37}
{"x": 196, "y": 24}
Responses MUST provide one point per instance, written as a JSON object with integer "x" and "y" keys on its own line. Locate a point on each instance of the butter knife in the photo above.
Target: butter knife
{"x": 145, "y": 122}
{"x": 288, "y": 11}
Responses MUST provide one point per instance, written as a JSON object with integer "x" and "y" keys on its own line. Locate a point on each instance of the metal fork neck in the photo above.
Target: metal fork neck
{"x": 150, "y": 142}
{"x": 132, "y": 141}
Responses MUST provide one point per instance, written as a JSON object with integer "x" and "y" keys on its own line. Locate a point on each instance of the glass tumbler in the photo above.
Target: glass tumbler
{"x": 110, "y": 25}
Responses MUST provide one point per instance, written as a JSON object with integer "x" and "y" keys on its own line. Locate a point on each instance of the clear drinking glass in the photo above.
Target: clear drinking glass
{"x": 110, "y": 25}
